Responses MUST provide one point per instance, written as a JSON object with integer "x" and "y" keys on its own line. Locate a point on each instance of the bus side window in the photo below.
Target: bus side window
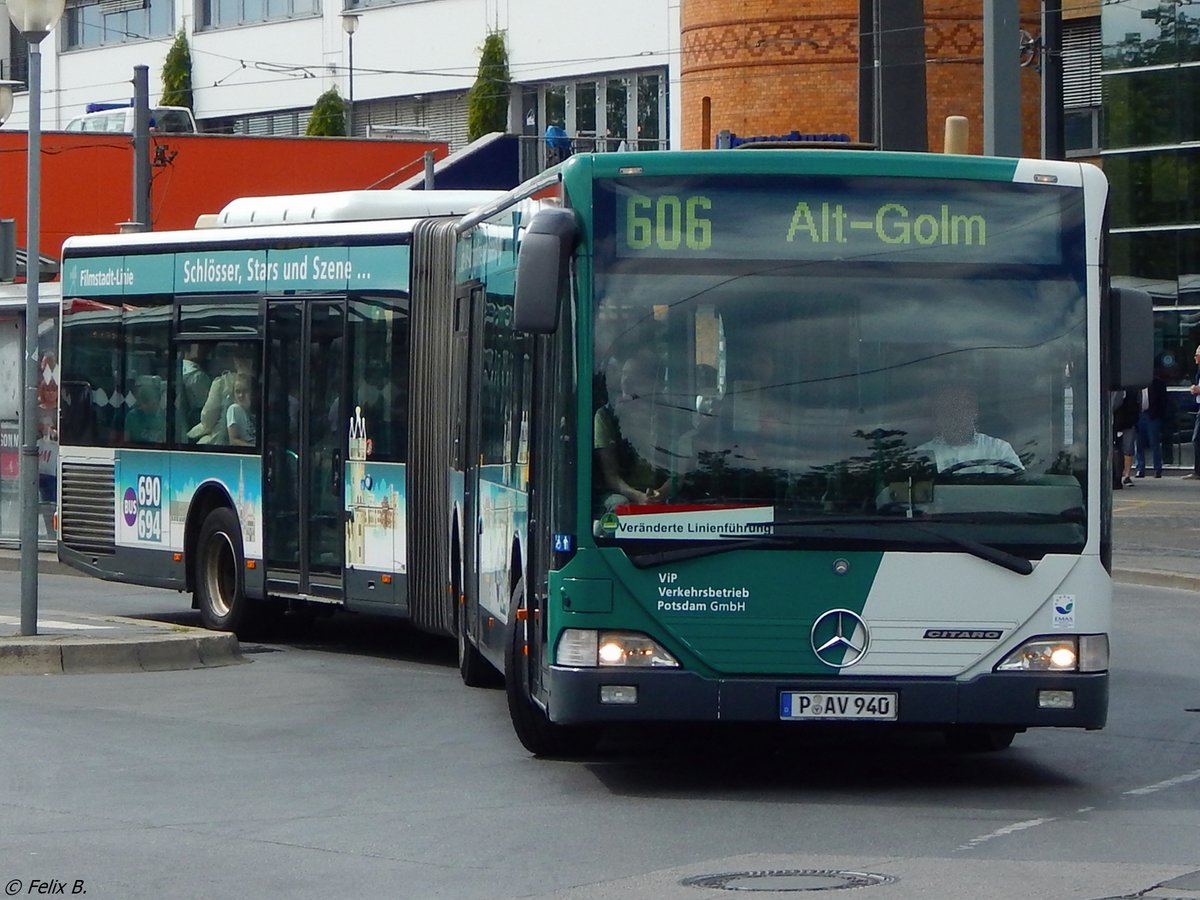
{"x": 229, "y": 360}
{"x": 191, "y": 390}
{"x": 145, "y": 421}
{"x": 77, "y": 413}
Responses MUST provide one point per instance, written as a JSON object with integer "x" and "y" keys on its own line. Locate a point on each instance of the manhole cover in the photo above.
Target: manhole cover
{"x": 788, "y": 880}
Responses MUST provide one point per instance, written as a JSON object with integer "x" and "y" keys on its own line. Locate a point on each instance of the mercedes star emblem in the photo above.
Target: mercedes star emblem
{"x": 840, "y": 638}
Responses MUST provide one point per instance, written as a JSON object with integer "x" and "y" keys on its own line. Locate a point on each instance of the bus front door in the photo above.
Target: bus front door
{"x": 304, "y": 443}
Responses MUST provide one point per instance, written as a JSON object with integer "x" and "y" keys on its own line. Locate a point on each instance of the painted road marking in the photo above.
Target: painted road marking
{"x": 61, "y": 626}
{"x": 1005, "y": 831}
{"x": 1163, "y": 785}
{"x": 1033, "y": 823}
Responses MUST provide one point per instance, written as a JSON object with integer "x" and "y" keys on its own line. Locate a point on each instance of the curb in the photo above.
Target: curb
{"x": 72, "y": 655}
{"x": 48, "y": 564}
{"x": 1150, "y": 578}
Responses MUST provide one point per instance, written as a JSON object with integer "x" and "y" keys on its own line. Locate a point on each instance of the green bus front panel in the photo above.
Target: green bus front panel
{"x": 748, "y": 626}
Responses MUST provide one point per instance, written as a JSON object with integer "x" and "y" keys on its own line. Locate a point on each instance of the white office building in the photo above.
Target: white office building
{"x": 606, "y": 71}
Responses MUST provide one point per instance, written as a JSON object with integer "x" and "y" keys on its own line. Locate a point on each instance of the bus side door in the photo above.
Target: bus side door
{"x": 304, "y": 443}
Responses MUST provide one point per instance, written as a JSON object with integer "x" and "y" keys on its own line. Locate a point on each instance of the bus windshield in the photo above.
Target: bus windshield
{"x": 840, "y": 399}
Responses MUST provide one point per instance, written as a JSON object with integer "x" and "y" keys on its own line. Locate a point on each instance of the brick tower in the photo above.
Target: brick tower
{"x": 774, "y": 66}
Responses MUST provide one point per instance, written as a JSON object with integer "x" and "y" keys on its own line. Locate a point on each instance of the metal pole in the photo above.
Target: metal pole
{"x": 350, "y": 108}
{"x": 1053, "y": 138}
{"x": 901, "y": 86}
{"x": 1001, "y": 79}
{"x": 8, "y": 250}
{"x": 868, "y": 71}
{"x": 141, "y": 147}
{"x": 29, "y": 424}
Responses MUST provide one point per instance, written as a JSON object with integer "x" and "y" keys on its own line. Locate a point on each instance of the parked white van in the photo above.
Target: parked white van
{"x": 116, "y": 119}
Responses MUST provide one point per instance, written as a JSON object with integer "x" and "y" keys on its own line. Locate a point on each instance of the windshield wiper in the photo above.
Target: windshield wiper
{"x": 1073, "y": 516}
{"x": 692, "y": 551}
{"x": 986, "y": 552}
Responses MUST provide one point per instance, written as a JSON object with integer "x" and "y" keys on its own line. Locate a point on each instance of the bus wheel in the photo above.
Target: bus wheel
{"x": 220, "y": 590}
{"x": 473, "y": 666}
{"x": 979, "y": 738}
{"x": 536, "y": 732}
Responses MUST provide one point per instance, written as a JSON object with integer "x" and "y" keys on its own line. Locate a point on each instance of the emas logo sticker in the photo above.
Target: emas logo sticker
{"x": 1064, "y": 610}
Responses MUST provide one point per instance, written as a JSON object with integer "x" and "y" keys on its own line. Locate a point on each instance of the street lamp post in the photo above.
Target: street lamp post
{"x": 350, "y": 25}
{"x": 34, "y": 19}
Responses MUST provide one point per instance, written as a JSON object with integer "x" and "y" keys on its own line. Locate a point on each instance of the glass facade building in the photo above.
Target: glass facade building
{"x": 1150, "y": 139}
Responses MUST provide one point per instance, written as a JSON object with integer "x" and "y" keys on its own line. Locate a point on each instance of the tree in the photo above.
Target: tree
{"x": 487, "y": 102}
{"x": 328, "y": 117}
{"x": 177, "y": 74}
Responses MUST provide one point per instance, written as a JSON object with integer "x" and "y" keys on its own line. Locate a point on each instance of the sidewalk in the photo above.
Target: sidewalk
{"x": 1156, "y": 532}
{"x": 1156, "y": 538}
{"x": 76, "y": 644}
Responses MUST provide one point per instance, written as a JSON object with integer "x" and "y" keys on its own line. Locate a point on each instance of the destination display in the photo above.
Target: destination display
{"x": 824, "y": 218}
{"x": 240, "y": 271}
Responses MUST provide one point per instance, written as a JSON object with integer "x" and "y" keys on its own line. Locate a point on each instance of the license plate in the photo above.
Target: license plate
{"x": 841, "y": 705}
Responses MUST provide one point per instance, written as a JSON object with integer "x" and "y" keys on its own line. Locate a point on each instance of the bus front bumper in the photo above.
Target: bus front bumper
{"x": 1000, "y": 699}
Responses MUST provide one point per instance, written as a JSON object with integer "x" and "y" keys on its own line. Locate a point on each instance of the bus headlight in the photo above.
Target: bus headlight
{"x": 629, "y": 649}
{"x": 1042, "y": 655}
{"x": 1082, "y": 653}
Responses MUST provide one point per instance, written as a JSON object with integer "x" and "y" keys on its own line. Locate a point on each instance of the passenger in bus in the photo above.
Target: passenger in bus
{"x": 624, "y": 440}
{"x": 146, "y": 421}
{"x": 957, "y": 445}
{"x": 240, "y": 421}
{"x": 77, "y": 412}
{"x": 211, "y": 428}
{"x": 194, "y": 384}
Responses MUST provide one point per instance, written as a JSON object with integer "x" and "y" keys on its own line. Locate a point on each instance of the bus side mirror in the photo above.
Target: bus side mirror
{"x": 1131, "y": 344}
{"x": 542, "y": 265}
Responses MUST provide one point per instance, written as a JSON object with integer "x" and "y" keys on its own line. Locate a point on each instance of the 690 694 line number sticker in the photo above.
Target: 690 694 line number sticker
{"x": 142, "y": 508}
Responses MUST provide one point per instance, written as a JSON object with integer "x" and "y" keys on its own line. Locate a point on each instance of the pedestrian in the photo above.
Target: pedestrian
{"x": 47, "y": 439}
{"x": 1195, "y": 389}
{"x": 1125, "y": 418}
{"x": 1155, "y": 413}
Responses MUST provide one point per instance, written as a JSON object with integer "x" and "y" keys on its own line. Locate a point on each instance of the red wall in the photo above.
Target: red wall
{"x": 87, "y": 178}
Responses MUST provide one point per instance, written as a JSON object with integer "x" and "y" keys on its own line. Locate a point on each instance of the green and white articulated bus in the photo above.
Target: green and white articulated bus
{"x": 792, "y": 436}
{"x": 239, "y": 406}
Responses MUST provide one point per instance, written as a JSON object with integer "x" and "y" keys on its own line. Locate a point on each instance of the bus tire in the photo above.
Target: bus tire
{"x": 473, "y": 666}
{"x": 220, "y": 574}
{"x": 979, "y": 738}
{"x": 535, "y": 731}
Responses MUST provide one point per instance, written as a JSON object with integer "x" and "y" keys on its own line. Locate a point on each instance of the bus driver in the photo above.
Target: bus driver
{"x": 957, "y": 446}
